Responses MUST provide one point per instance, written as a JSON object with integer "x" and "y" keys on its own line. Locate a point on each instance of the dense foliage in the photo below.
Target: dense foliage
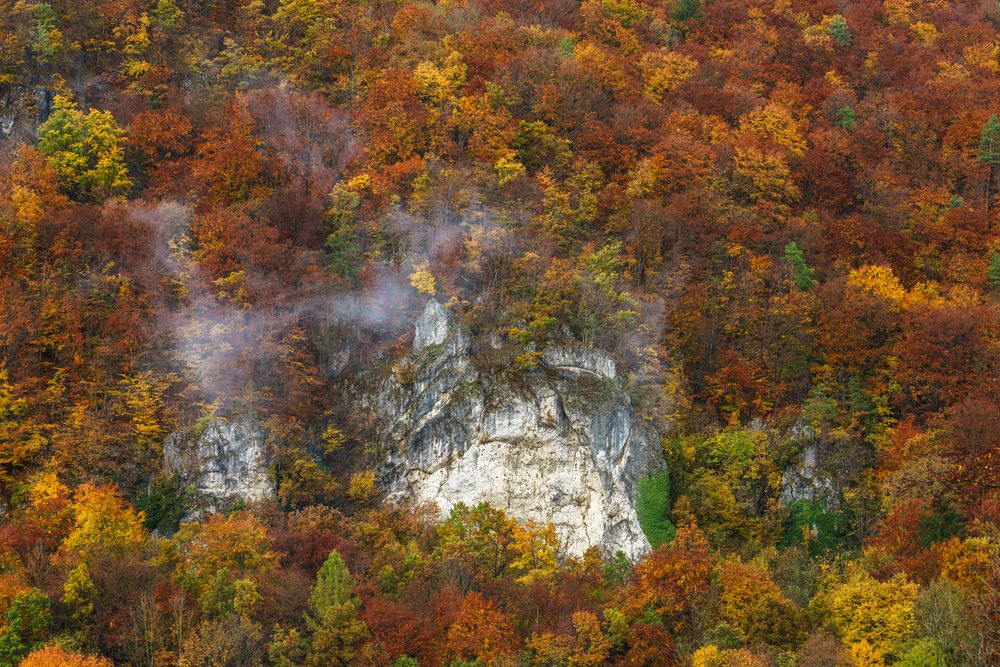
{"x": 778, "y": 216}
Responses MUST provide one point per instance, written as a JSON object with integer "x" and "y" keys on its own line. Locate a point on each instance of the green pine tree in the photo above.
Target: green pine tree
{"x": 333, "y": 623}
{"x": 44, "y": 35}
{"x": 686, "y": 10}
{"x": 989, "y": 142}
{"x": 166, "y": 14}
{"x": 993, "y": 271}
{"x": 333, "y": 585}
{"x": 27, "y": 620}
{"x": 343, "y": 253}
{"x": 989, "y": 152}
{"x": 845, "y": 118}
{"x": 803, "y": 273}
{"x": 838, "y": 31}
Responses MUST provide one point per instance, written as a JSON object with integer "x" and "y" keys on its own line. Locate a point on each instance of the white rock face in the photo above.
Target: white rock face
{"x": 561, "y": 444}
{"x": 804, "y": 480}
{"x": 224, "y": 462}
{"x": 581, "y": 360}
{"x": 432, "y": 327}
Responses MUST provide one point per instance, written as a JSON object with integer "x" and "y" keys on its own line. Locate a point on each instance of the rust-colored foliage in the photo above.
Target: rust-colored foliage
{"x": 778, "y": 218}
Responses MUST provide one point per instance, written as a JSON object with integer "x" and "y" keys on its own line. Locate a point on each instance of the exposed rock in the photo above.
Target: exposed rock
{"x": 338, "y": 362}
{"x": 804, "y": 480}
{"x": 561, "y": 444}
{"x": 432, "y": 327}
{"x": 22, "y": 108}
{"x": 223, "y": 462}
{"x": 573, "y": 359}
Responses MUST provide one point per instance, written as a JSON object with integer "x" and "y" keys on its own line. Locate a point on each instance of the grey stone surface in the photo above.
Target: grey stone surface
{"x": 223, "y": 462}
{"x": 804, "y": 480}
{"x": 560, "y": 443}
{"x": 432, "y": 327}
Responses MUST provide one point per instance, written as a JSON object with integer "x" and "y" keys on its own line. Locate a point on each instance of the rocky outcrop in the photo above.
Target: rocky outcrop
{"x": 22, "y": 108}
{"x": 806, "y": 479}
{"x": 432, "y": 327}
{"x": 222, "y": 462}
{"x": 560, "y": 443}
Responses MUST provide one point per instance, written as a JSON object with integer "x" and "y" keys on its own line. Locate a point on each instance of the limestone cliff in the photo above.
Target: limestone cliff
{"x": 824, "y": 467}
{"x": 560, "y": 443}
{"x": 222, "y": 462}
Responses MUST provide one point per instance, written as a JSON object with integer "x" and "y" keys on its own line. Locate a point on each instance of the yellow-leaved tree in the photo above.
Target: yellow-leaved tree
{"x": 774, "y": 123}
{"x": 54, "y": 656}
{"x": 86, "y": 150}
{"x": 20, "y": 437}
{"x": 879, "y": 282}
{"x": 752, "y": 603}
{"x": 101, "y": 517}
{"x": 218, "y": 561}
{"x": 423, "y": 280}
{"x": 712, "y": 656}
{"x": 536, "y": 546}
{"x": 874, "y": 618}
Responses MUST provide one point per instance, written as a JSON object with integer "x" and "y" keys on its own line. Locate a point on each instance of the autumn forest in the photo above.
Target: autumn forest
{"x": 757, "y": 237}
